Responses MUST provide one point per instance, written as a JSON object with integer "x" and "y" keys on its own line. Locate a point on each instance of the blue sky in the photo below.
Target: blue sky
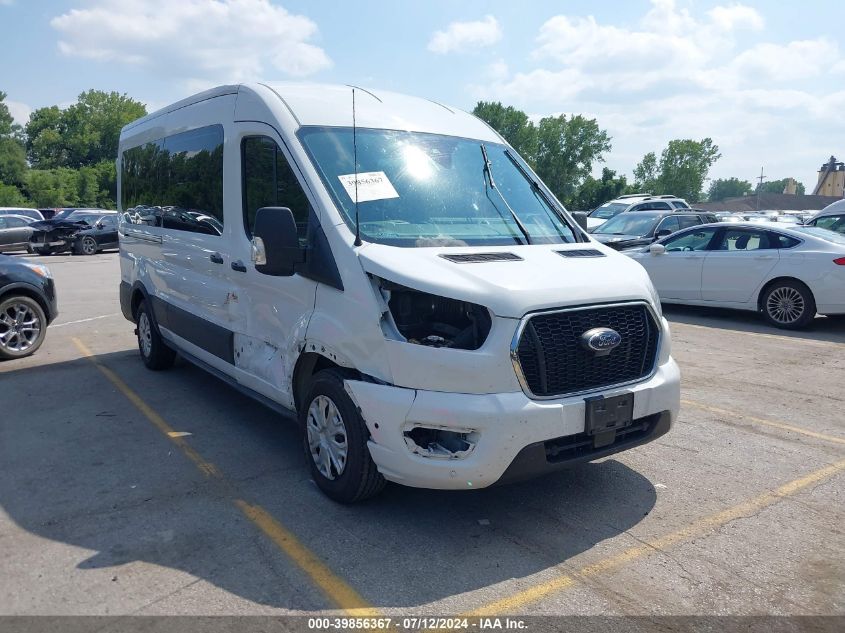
{"x": 764, "y": 79}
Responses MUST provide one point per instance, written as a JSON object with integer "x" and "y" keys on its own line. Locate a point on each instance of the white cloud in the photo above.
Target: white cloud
{"x": 20, "y": 111}
{"x": 463, "y": 36}
{"x": 209, "y": 41}
{"x": 796, "y": 60}
{"x": 6, "y": 3}
{"x": 676, "y": 73}
{"x": 736, "y": 17}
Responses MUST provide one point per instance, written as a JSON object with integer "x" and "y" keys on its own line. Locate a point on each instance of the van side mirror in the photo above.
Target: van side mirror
{"x": 657, "y": 249}
{"x": 275, "y": 243}
{"x": 581, "y": 218}
{"x": 662, "y": 233}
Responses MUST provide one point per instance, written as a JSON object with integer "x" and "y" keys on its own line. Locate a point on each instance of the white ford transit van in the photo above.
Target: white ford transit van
{"x": 391, "y": 271}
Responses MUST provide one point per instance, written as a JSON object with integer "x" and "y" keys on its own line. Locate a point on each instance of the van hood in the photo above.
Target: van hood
{"x": 541, "y": 279}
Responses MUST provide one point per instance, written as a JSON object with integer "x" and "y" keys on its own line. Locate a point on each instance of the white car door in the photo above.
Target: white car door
{"x": 676, "y": 273}
{"x": 272, "y": 312}
{"x": 739, "y": 262}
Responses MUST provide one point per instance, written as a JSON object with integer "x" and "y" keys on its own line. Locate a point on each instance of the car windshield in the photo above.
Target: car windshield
{"x": 608, "y": 210}
{"x": 83, "y": 217}
{"x": 419, "y": 189}
{"x": 629, "y": 224}
{"x": 825, "y": 234}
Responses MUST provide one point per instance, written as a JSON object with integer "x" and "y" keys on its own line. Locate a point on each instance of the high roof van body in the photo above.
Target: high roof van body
{"x": 390, "y": 271}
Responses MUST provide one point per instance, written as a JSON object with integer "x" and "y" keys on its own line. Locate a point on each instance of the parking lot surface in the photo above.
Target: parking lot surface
{"x": 125, "y": 491}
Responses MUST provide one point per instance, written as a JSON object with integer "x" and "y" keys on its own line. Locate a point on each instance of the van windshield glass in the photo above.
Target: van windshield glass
{"x": 430, "y": 190}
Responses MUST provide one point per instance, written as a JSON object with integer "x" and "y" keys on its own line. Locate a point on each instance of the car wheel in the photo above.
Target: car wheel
{"x": 335, "y": 441}
{"x": 29, "y": 249}
{"x": 88, "y": 245}
{"x": 154, "y": 352}
{"x": 44, "y": 251}
{"x": 788, "y": 305}
{"x": 23, "y": 326}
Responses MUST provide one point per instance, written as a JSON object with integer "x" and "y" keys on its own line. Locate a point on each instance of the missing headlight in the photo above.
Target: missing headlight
{"x": 426, "y": 319}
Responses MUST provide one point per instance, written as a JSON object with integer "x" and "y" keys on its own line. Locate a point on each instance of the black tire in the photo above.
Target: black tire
{"x": 788, "y": 304}
{"x": 29, "y": 249}
{"x": 17, "y": 341}
{"x": 86, "y": 246}
{"x": 154, "y": 352}
{"x": 359, "y": 478}
{"x": 43, "y": 251}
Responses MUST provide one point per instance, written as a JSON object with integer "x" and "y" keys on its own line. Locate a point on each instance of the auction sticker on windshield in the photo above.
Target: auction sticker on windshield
{"x": 372, "y": 185}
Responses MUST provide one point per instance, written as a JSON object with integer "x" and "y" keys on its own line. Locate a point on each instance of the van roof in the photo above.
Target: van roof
{"x": 330, "y": 105}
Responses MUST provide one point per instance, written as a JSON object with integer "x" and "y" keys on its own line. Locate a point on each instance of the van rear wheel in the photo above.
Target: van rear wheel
{"x": 154, "y": 352}
{"x": 335, "y": 441}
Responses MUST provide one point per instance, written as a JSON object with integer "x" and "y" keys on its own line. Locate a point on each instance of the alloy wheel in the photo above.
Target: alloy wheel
{"x": 785, "y": 305}
{"x": 145, "y": 335}
{"x": 19, "y": 327}
{"x": 327, "y": 438}
{"x": 89, "y": 246}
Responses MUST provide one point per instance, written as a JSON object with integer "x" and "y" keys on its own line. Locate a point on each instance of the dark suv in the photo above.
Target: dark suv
{"x": 641, "y": 228}
{"x": 27, "y": 306}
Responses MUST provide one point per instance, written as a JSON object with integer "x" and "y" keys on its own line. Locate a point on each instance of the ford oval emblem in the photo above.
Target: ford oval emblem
{"x": 601, "y": 340}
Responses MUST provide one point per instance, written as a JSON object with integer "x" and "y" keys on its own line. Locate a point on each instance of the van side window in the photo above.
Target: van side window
{"x": 176, "y": 182}
{"x": 269, "y": 181}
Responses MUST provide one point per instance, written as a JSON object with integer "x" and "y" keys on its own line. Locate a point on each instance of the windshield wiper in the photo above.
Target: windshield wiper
{"x": 489, "y": 172}
{"x": 538, "y": 190}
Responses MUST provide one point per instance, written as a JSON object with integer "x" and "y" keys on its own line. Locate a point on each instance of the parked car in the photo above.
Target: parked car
{"x": 35, "y": 214}
{"x": 634, "y": 202}
{"x": 99, "y": 237}
{"x": 832, "y": 217}
{"x": 789, "y": 273}
{"x": 62, "y": 232}
{"x": 635, "y": 229}
{"x": 15, "y": 233}
{"x": 429, "y": 312}
{"x": 27, "y": 306}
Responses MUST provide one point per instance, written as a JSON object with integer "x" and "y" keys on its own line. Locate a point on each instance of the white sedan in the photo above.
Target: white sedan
{"x": 789, "y": 273}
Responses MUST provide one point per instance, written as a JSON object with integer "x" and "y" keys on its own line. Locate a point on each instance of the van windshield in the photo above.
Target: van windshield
{"x": 419, "y": 189}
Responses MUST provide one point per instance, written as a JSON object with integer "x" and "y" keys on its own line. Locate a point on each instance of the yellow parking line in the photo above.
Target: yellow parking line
{"x": 777, "y": 425}
{"x": 777, "y": 337}
{"x": 335, "y": 588}
{"x": 521, "y": 599}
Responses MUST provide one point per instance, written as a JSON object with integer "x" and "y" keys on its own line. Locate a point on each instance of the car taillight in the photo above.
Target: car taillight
{"x": 840, "y": 261}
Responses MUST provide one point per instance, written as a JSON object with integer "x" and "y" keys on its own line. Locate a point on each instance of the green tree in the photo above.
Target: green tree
{"x": 646, "y": 174}
{"x": 595, "y": 192}
{"x": 681, "y": 171}
{"x": 12, "y": 157}
{"x": 12, "y": 161}
{"x": 723, "y": 188}
{"x": 84, "y": 134}
{"x": 777, "y": 186}
{"x": 512, "y": 124}
{"x": 53, "y": 187}
{"x": 566, "y": 151}
{"x": 11, "y": 196}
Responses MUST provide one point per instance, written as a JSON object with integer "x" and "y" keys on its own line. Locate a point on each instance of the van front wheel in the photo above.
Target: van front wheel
{"x": 335, "y": 441}
{"x": 155, "y": 354}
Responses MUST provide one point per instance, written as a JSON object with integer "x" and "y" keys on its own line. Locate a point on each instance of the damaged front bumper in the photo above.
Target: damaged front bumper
{"x": 431, "y": 439}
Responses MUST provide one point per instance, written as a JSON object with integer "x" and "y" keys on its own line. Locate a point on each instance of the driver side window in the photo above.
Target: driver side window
{"x": 691, "y": 241}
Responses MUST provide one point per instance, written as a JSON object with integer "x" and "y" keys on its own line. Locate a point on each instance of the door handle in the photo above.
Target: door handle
{"x": 216, "y": 258}
{"x": 239, "y": 266}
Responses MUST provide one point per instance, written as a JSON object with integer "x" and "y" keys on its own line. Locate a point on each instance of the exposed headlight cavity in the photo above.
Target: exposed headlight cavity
{"x": 425, "y": 319}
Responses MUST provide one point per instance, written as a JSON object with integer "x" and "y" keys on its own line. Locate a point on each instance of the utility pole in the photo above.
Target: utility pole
{"x": 759, "y": 188}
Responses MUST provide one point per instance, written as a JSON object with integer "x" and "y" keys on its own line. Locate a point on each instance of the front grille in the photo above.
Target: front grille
{"x": 554, "y": 363}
